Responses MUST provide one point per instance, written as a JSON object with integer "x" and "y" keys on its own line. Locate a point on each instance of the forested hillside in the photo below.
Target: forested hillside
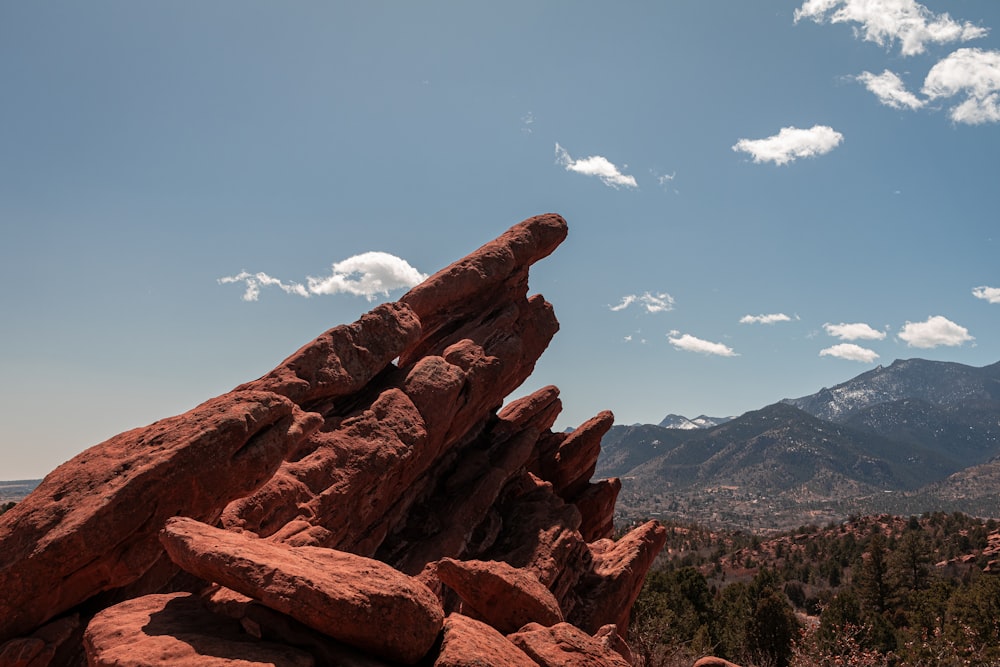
{"x": 879, "y": 590}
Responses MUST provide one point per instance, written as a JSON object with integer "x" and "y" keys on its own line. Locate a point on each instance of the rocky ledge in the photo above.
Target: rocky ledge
{"x": 367, "y": 502}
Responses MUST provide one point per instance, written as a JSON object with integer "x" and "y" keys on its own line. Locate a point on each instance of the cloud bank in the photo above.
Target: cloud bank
{"x": 595, "y": 165}
{"x": 765, "y": 319}
{"x": 885, "y": 22}
{"x": 790, "y": 144}
{"x": 689, "y": 343}
{"x": 855, "y": 331}
{"x": 851, "y": 352}
{"x": 988, "y": 294}
{"x": 653, "y": 303}
{"x": 934, "y": 332}
{"x": 369, "y": 274}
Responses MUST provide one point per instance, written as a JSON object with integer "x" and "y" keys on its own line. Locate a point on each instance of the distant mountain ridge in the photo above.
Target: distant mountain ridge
{"x": 683, "y": 423}
{"x": 916, "y": 432}
{"x": 941, "y": 383}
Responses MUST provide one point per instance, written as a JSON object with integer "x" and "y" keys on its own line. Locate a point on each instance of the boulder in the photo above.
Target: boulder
{"x": 619, "y": 569}
{"x": 505, "y": 597}
{"x": 50, "y": 644}
{"x": 175, "y": 629}
{"x": 564, "y": 645}
{"x": 356, "y": 600}
{"x": 469, "y": 643}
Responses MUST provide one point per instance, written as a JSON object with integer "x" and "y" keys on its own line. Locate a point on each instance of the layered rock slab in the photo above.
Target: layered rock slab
{"x": 92, "y": 524}
{"x": 565, "y": 645}
{"x": 175, "y": 629}
{"x": 505, "y": 597}
{"x": 358, "y": 601}
{"x": 467, "y": 642}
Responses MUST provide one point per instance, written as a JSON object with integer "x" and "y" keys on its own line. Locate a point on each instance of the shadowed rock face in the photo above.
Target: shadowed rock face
{"x": 356, "y": 505}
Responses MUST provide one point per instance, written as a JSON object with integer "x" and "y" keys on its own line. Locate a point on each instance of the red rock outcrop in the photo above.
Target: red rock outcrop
{"x": 564, "y": 645}
{"x": 345, "y": 507}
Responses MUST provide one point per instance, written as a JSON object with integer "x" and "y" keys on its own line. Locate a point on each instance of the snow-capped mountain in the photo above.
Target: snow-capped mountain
{"x": 939, "y": 383}
{"x": 683, "y": 423}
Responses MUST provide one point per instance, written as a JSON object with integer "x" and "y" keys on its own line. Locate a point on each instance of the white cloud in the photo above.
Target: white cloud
{"x": 368, "y": 274}
{"x": 254, "y": 281}
{"x": 653, "y": 303}
{"x": 974, "y": 73}
{"x": 765, "y": 319}
{"x": 851, "y": 352}
{"x": 791, "y": 143}
{"x": 886, "y": 21}
{"x": 990, "y": 294}
{"x": 689, "y": 343}
{"x": 890, "y": 90}
{"x": 934, "y": 332}
{"x": 854, "y": 331}
{"x": 595, "y": 165}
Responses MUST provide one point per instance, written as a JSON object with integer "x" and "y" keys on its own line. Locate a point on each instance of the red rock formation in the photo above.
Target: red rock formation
{"x": 564, "y": 645}
{"x": 356, "y": 600}
{"x": 175, "y": 629}
{"x": 343, "y": 507}
{"x": 469, "y": 643}
{"x": 502, "y": 595}
{"x": 92, "y": 524}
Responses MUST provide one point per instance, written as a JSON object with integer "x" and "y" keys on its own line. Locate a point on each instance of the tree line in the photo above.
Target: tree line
{"x": 871, "y": 591}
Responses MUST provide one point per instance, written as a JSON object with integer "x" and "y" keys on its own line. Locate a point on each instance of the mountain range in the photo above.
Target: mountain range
{"x": 912, "y": 437}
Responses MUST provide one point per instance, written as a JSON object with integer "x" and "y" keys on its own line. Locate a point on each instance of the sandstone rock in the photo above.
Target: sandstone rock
{"x": 495, "y": 273}
{"x": 344, "y": 359}
{"x": 456, "y": 517}
{"x": 503, "y": 596}
{"x": 49, "y": 645}
{"x": 619, "y": 569}
{"x": 272, "y": 626}
{"x": 564, "y": 645}
{"x": 175, "y": 629}
{"x": 609, "y": 636}
{"x": 597, "y": 509}
{"x": 355, "y": 600}
{"x": 470, "y": 643}
{"x": 92, "y": 524}
{"x": 541, "y": 534}
{"x": 576, "y": 457}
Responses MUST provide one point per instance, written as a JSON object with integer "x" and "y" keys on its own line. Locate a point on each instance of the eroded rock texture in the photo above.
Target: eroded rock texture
{"x": 370, "y": 501}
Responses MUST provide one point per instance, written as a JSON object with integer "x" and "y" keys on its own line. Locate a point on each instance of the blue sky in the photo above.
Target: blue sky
{"x": 764, "y": 198}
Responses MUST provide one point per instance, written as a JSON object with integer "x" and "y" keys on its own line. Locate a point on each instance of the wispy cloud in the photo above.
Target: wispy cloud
{"x": 790, "y": 144}
{"x": 974, "y": 73}
{"x": 595, "y": 165}
{"x": 369, "y": 274}
{"x": 934, "y": 332}
{"x": 890, "y": 90}
{"x": 653, "y": 303}
{"x": 771, "y": 318}
{"x": 989, "y": 294}
{"x": 689, "y": 343}
{"x": 527, "y": 120}
{"x": 885, "y": 22}
{"x": 851, "y": 352}
{"x": 254, "y": 281}
{"x": 854, "y": 331}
